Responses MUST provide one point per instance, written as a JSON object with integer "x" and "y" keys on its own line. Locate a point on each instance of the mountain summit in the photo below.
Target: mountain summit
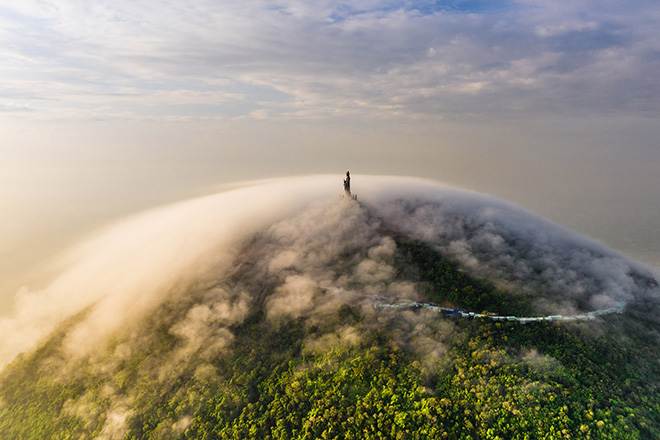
{"x": 265, "y": 312}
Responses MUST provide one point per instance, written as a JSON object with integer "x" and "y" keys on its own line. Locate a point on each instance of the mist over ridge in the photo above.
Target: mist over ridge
{"x": 163, "y": 302}
{"x": 131, "y": 267}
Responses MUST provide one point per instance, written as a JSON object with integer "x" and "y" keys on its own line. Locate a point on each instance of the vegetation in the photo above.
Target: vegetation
{"x": 347, "y": 377}
{"x": 445, "y": 282}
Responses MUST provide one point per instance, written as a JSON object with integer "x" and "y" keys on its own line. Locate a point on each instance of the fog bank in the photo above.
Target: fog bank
{"x": 130, "y": 268}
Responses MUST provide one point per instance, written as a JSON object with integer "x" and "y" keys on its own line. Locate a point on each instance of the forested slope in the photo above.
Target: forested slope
{"x": 360, "y": 372}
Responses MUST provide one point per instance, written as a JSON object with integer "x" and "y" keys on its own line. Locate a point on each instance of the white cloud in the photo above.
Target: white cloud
{"x": 127, "y": 270}
{"x": 293, "y": 298}
{"x": 332, "y": 58}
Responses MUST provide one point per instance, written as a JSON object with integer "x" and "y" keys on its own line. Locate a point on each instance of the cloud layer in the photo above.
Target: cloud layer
{"x": 298, "y": 248}
{"x": 122, "y": 59}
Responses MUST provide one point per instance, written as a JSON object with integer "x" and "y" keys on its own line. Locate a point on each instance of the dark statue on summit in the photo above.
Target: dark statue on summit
{"x": 347, "y": 186}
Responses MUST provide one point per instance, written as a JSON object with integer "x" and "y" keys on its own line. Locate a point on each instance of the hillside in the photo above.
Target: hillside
{"x": 291, "y": 342}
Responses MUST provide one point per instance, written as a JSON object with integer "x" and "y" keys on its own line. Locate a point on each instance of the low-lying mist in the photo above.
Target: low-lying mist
{"x": 317, "y": 250}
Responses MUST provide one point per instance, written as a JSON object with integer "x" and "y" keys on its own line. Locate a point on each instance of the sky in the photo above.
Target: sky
{"x": 108, "y": 108}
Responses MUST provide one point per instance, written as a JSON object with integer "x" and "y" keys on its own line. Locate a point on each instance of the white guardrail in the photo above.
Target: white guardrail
{"x": 410, "y": 304}
{"x": 495, "y": 317}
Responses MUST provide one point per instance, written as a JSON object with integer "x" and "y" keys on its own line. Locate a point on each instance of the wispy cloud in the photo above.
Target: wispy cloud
{"x": 331, "y": 58}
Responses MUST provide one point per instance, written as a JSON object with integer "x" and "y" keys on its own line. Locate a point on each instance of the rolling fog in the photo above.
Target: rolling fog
{"x": 128, "y": 269}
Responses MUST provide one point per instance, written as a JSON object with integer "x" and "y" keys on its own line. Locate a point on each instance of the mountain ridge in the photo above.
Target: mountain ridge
{"x": 263, "y": 348}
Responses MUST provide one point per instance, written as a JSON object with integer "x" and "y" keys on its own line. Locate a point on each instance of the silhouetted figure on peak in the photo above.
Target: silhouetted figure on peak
{"x": 347, "y": 186}
{"x": 347, "y": 183}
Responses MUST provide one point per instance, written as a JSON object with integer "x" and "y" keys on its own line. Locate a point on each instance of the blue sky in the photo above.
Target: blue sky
{"x": 109, "y": 107}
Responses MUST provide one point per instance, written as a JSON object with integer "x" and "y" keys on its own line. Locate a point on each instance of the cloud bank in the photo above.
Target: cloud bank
{"x": 297, "y": 247}
{"x": 128, "y": 60}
